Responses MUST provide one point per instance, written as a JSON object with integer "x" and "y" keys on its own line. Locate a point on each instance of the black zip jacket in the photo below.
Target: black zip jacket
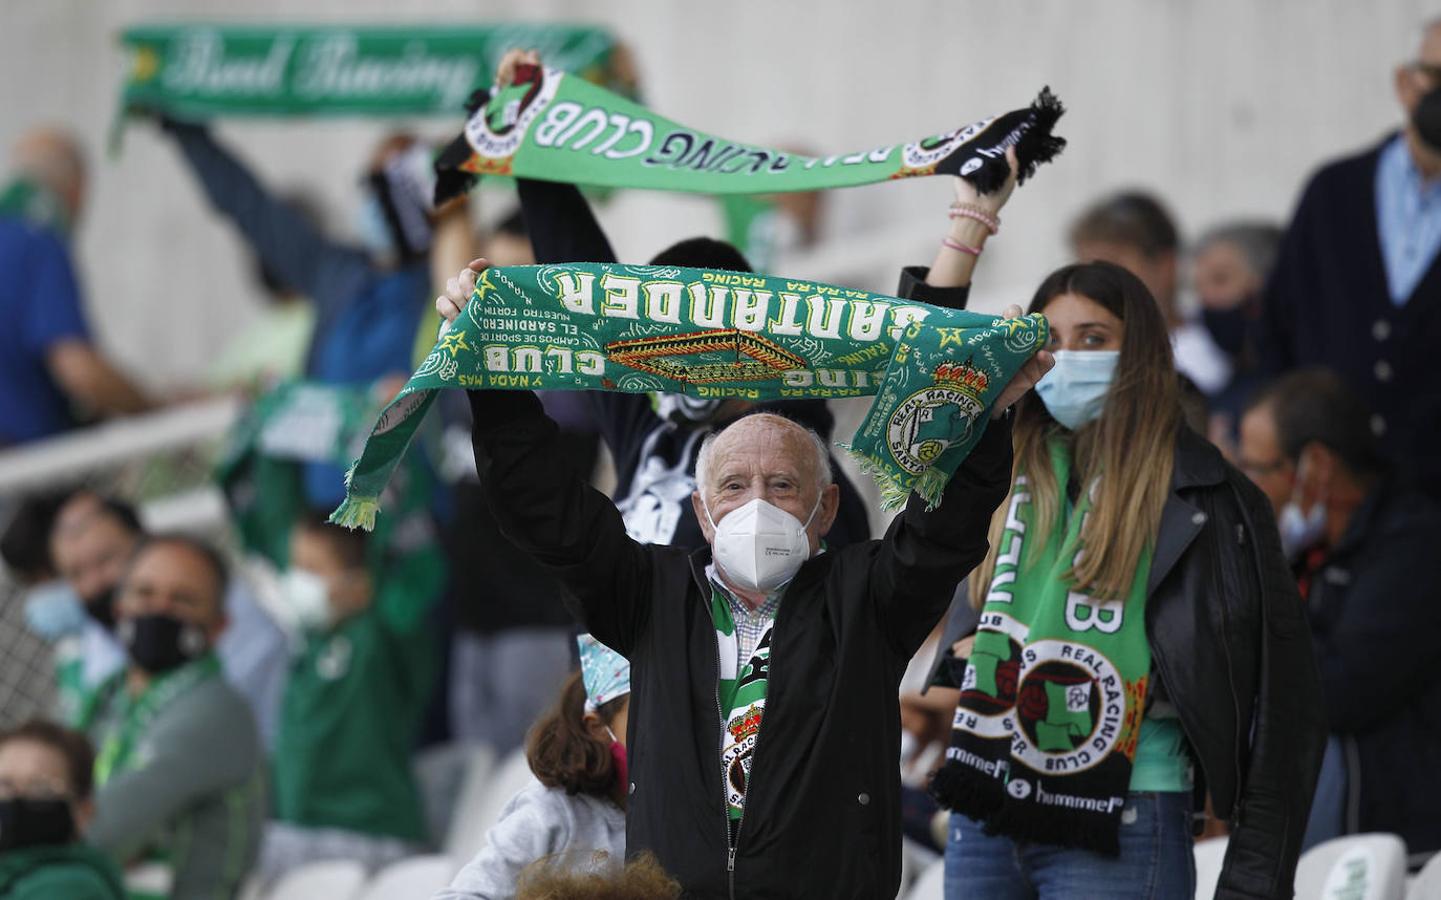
{"x": 822, "y": 815}
{"x": 1231, "y": 645}
{"x": 1375, "y": 611}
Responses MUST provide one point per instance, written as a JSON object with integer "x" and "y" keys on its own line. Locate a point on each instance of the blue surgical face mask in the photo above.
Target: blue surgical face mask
{"x": 1075, "y": 390}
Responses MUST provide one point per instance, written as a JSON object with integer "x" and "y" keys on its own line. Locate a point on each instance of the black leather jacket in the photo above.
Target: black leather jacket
{"x": 1230, "y": 641}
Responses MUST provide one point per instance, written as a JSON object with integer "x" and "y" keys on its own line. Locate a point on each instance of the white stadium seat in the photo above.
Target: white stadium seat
{"x": 445, "y": 774}
{"x": 1355, "y": 867}
{"x": 1209, "y": 856}
{"x": 932, "y": 883}
{"x": 481, "y": 801}
{"x": 416, "y": 878}
{"x": 1427, "y": 883}
{"x": 333, "y": 879}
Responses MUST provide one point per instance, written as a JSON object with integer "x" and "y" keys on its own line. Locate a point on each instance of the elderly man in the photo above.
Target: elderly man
{"x": 817, "y": 814}
{"x": 1357, "y": 285}
{"x": 179, "y": 765}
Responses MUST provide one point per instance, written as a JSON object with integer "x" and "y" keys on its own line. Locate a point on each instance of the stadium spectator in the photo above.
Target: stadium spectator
{"x": 344, "y": 788}
{"x": 1229, "y": 267}
{"x": 1372, "y": 580}
{"x": 50, "y": 367}
{"x": 46, "y": 804}
{"x": 273, "y": 347}
{"x": 179, "y": 767}
{"x": 1357, "y": 286}
{"x": 575, "y": 810}
{"x": 368, "y": 299}
{"x": 1188, "y": 584}
{"x": 1133, "y": 230}
{"x": 832, "y": 708}
{"x": 93, "y": 543}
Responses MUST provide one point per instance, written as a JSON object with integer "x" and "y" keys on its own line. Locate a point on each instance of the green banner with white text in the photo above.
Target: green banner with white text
{"x": 201, "y": 71}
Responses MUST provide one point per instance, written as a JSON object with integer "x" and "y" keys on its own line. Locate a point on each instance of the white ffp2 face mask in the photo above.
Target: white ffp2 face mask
{"x": 760, "y": 546}
{"x": 307, "y": 598}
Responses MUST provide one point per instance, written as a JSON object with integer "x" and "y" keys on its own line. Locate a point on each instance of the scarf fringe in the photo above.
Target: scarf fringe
{"x": 957, "y": 789}
{"x": 930, "y": 484}
{"x": 984, "y": 799}
{"x": 893, "y": 491}
{"x": 1057, "y": 826}
{"x": 357, "y": 512}
{"x": 1038, "y": 145}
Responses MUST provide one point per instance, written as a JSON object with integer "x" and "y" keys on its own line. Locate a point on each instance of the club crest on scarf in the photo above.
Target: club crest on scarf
{"x": 929, "y": 420}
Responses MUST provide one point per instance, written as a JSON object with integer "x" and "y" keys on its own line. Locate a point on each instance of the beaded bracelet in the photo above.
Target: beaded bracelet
{"x": 957, "y": 245}
{"x": 966, "y": 211}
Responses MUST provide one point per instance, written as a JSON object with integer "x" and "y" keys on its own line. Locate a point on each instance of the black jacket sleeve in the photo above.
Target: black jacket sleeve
{"x": 1377, "y": 652}
{"x": 563, "y": 229}
{"x": 326, "y": 272}
{"x": 924, "y": 555}
{"x": 1288, "y": 730}
{"x": 557, "y": 518}
{"x": 561, "y": 225}
{"x": 913, "y": 287}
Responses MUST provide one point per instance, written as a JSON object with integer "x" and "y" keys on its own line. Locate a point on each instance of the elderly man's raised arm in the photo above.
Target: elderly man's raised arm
{"x": 558, "y": 519}
{"x": 924, "y": 555}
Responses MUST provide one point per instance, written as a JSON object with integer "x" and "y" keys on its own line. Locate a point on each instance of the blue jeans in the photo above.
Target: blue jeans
{"x": 1156, "y": 859}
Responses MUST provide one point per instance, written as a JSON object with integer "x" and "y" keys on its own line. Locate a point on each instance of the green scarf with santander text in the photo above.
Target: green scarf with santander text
{"x": 552, "y": 126}
{"x": 934, "y": 372}
{"x": 1054, "y": 690}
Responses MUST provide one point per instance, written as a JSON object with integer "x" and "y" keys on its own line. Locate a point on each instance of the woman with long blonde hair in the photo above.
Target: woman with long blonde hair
{"x": 1140, "y": 640}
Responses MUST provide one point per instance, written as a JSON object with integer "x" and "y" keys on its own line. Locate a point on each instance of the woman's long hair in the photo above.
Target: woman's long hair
{"x": 1129, "y": 448}
{"x": 561, "y": 751}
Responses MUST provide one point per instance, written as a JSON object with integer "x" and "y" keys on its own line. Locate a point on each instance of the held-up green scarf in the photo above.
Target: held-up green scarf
{"x": 298, "y": 422}
{"x": 207, "y": 70}
{"x": 1053, "y": 693}
{"x": 553, "y": 126}
{"x": 636, "y": 329}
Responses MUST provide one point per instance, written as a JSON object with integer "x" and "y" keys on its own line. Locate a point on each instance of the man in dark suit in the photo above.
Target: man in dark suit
{"x": 1357, "y": 287}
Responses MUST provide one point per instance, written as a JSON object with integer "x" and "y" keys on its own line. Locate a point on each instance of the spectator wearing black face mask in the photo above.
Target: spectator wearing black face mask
{"x": 179, "y": 765}
{"x": 1357, "y": 286}
{"x": 1229, "y": 267}
{"x": 45, "y": 807}
{"x": 92, "y": 543}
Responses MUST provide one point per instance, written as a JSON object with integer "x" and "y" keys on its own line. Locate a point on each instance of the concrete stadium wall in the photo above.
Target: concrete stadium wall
{"x": 1223, "y": 106}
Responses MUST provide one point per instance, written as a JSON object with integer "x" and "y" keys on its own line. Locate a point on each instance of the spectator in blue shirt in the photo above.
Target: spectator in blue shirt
{"x": 50, "y": 367}
{"x": 369, "y": 299}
